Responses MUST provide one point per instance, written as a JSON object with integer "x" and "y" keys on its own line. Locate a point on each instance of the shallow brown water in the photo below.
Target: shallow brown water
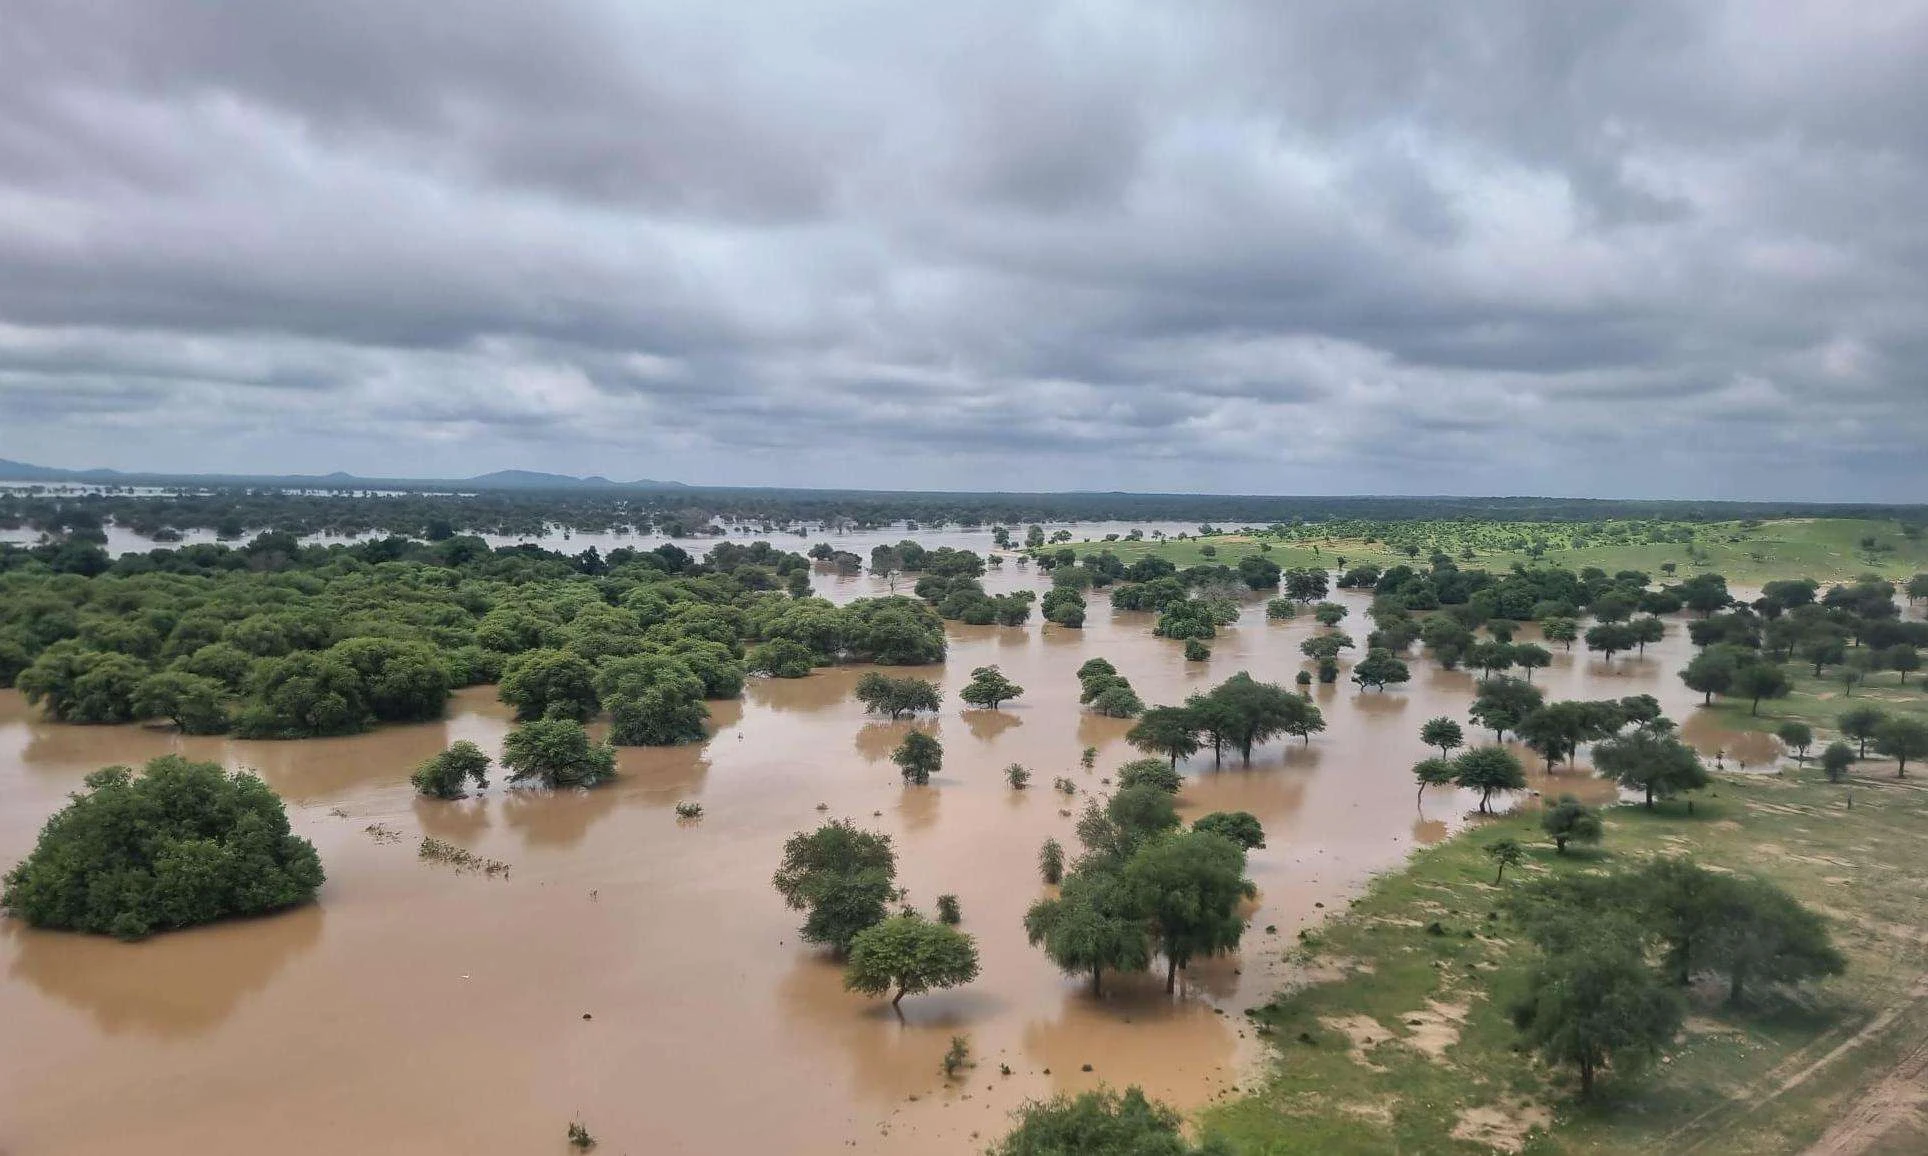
{"x": 418, "y": 1009}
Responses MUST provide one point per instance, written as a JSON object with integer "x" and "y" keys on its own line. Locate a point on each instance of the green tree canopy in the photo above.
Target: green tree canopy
{"x": 557, "y": 752}
{"x": 1597, "y": 1002}
{"x": 909, "y": 955}
{"x": 919, "y": 757}
{"x": 1653, "y": 762}
{"x": 444, "y": 776}
{"x": 988, "y": 687}
{"x": 843, "y": 877}
{"x": 181, "y": 844}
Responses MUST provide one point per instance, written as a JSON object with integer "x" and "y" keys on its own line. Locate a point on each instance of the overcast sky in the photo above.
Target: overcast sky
{"x": 1615, "y": 248}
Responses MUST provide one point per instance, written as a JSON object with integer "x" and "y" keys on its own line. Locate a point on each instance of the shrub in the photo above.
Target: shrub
{"x": 179, "y": 845}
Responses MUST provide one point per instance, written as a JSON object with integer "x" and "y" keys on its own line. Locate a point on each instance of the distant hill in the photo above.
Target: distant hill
{"x": 12, "y": 471}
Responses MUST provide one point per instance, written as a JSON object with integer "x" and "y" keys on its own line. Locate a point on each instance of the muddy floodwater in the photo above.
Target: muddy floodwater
{"x": 638, "y": 973}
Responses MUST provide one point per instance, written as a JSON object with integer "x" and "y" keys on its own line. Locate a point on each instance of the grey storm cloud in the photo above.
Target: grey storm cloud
{"x": 1624, "y": 248}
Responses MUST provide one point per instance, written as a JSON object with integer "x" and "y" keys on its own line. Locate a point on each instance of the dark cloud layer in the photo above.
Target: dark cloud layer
{"x": 1626, "y": 248}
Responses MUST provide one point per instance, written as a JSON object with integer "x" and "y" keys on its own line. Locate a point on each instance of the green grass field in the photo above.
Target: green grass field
{"x": 1441, "y": 1073}
{"x": 1825, "y": 549}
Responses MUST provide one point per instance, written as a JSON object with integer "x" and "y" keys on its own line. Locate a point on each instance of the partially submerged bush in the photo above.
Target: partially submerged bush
{"x": 181, "y": 844}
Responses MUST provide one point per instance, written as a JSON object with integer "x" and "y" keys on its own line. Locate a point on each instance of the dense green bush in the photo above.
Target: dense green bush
{"x": 181, "y": 844}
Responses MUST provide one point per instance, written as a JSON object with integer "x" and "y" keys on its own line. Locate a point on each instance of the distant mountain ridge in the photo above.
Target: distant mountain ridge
{"x": 12, "y": 471}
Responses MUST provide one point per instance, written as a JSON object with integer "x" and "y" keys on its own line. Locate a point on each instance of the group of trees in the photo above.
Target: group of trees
{"x": 1143, "y": 886}
{"x": 182, "y": 843}
{"x": 1633, "y": 743}
{"x": 1616, "y": 948}
{"x": 844, "y": 879}
{"x": 1104, "y": 690}
{"x": 1240, "y": 712}
{"x": 278, "y": 640}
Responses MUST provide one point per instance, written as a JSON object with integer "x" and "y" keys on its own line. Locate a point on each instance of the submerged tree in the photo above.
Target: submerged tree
{"x": 841, "y": 876}
{"x": 445, "y": 776}
{"x": 988, "y": 687}
{"x": 919, "y": 757}
{"x": 1098, "y": 1123}
{"x": 897, "y": 697}
{"x": 180, "y": 844}
{"x": 1444, "y": 733}
{"x": 1241, "y": 827}
{"x": 908, "y": 954}
{"x": 1189, "y": 886}
{"x": 1090, "y": 927}
{"x": 1489, "y": 769}
{"x": 558, "y": 753}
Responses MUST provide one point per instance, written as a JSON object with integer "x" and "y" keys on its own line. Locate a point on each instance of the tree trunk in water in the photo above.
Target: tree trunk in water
{"x": 1171, "y": 974}
{"x": 1650, "y": 798}
{"x": 1586, "y": 1077}
{"x": 1097, "y": 974}
{"x": 898, "y": 998}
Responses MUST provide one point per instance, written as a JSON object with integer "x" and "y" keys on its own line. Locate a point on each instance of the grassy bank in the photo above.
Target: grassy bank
{"x": 1820, "y": 701}
{"x": 1747, "y": 553}
{"x": 1425, "y": 966}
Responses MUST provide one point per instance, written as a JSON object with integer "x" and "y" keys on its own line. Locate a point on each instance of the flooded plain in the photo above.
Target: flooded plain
{"x": 637, "y": 972}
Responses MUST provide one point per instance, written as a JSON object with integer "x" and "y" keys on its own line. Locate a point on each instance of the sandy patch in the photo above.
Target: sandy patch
{"x": 1361, "y": 1032}
{"x": 1436, "y": 1028}
{"x": 1504, "y": 1125}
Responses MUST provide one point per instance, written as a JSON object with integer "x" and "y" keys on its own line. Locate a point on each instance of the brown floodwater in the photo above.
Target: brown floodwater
{"x": 637, "y": 972}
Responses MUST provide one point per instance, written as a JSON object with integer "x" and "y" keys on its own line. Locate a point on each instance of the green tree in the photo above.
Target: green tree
{"x": 1329, "y": 613}
{"x": 76, "y": 685}
{"x": 1091, "y": 926}
{"x": 1902, "y": 738}
{"x": 1531, "y": 657}
{"x": 1098, "y": 1123}
{"x": 557, "y": 753}
{"x": 1796, "y": 737}
{"x": 1156, "y": 772}
{"x": 1711, "y": 672}
{"x": 1758, "y": 680}
{"x": 303, "y": 695}
{"x": 444, "y": 776}
{"x": 1438, "y": 771}
{"x": 1241, "y": 827}
{"x": 654, "y": 700}
{"x": 1253, "y": 712}
{"x": 1444, "y": 733}
{"x": 194, "y": 704}
{"x": 1051, "y": 862}
{"x": 919, "y": 757}
{"x": 1379, "y": 667}
{"x": 1611, "y": 638}
{"x": 1836, "y": 759}
{"x": 1560, "y": 630}
{"x": 1652, "y": 762}
{"x": 909, "y": 955}
{"x": 1171, "y": 731}
{"x": 1902, "y": 659}
{"x": 1189, "y": 885}
{"x": 781, "y": 658}
{"x": 181, "y": 844}
{"x": 1860, "y": 724}
{"x": 1570, "y": 820}
{"x": 1647, "y": 628}
{"x": 1597, "y": 1002}
{"x": 1760, "y": 932}
{"x": 842, "y": 877}
{"x": 897, "y": 697}
{"x": 1506, "y": 853}
{"x": 988, "y": 687}
{"x": 1502, "y": 704}
{"x": 549, "y": 684}
{"x": 1118, "y": 701}
{"x": 1486, "y": 770}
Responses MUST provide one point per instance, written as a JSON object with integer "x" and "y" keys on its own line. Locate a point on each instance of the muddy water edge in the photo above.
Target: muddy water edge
{"x": 637, "y": 972}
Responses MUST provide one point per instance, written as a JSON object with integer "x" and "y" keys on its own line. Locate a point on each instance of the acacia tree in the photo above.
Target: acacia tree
{"x": 1902, "y": 738}
{"x": 1860, "y": 724}
{"x": 1171, "y": 731}
{"x": 910, "y": 955}
{"x": 843, "y": 877}
{"x": 1711, "y": 672}
{"x": 1502, "y": 704}
{"x": 988, "y": 687}
{"x": 1570, "y": 820}
{"x": 1189, "y": 886}
{"x": 1101, "y": 1121}
{"x": 1835, "y": 761}
{"x": 1444, "y": 733}
{"x": 1611, "y": 638}
{"x": 1506, "y": 853}
{"x": 1531, "y": 657}
{"x": 1560, "y": 630}
{"x": 1652, "y": 762}
{"x": 1756, "y": 931}
{"x": 1379, "y": 667}
{"x": 919, "y": 757}
{"x": 1090, "y": 926}
{"x": 1758, "y": 680}
{"x": 196, "y": 705}
{"x": 1489, "y": 769}
{"x": 1596, "y": 1001}
{"x": 896, "y": 697}
{"x": 1796, "y": 737}
{"x": 445, "y": 775}
{"x": 1437, "y": 771}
